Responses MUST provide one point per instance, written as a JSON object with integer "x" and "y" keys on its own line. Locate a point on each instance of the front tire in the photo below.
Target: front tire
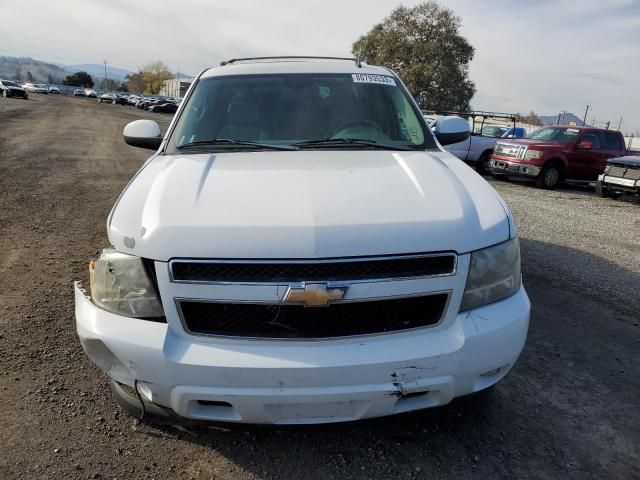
{"x": 550, "y": 177}
{"x": 482, "y": 165}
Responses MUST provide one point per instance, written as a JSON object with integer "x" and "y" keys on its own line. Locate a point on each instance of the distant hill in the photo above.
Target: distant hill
{"x": 17, "y": 68}
{"x": 96, "y": 70}
{"x": 565, "y": 119}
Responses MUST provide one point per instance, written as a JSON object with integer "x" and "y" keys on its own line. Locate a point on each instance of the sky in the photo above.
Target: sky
{"x": 540, "y": 55}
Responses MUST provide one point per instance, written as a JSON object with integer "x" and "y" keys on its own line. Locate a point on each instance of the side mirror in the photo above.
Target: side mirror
{"x": 143, "y": 134}
{"x": 584, "y": 145}
{"x": 452, "y": 129}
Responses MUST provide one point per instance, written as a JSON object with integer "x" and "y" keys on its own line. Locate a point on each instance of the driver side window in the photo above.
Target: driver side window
{"x": 592, "y": 137}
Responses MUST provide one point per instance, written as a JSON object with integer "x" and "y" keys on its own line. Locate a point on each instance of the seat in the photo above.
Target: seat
{"x": 243, "y": 122}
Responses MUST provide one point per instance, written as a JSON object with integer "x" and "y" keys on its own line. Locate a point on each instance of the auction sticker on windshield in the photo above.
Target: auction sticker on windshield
{"x": 368, "y": 78}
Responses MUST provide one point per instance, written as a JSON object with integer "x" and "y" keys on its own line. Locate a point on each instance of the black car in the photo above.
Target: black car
{"x": 122, "y": 99}
{"x": 621, "y": 176}
{"x": 164, "y": 108}
{"x": 12, "y": 89}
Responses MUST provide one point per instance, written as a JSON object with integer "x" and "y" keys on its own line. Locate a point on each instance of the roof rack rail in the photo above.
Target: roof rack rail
{"x": 474, "y": 113}
{"x": 290, "y": 57}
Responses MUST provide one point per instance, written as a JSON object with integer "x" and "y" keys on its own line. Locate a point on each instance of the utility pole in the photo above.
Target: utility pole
{"x": 585, "y": 116}
{"x": 619, "y": 123}
{"x": 106, "y": 83}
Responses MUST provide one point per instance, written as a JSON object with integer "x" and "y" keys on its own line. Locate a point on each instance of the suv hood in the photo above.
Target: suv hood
{"x": 306, "y": 204}
{"x": 629, "y": 160}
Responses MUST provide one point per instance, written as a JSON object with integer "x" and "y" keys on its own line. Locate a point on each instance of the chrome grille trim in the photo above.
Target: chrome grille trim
{"x": 286, "y": 281}
{"x": 510, "y": 150}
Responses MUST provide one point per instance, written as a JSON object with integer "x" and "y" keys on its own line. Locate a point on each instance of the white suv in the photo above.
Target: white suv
{"x": 300, "y": 249}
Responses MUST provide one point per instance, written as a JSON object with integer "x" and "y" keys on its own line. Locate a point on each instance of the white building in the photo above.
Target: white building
{"x": 176, "y": 87}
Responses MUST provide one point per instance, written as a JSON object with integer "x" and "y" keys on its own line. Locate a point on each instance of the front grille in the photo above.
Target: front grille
{"x": 313, "y": 271}
{"x": 510, "y": 151}
{"x": 294, "y": 321}
{"x": 615, "y": 171}
{"x": 624, "y": 172}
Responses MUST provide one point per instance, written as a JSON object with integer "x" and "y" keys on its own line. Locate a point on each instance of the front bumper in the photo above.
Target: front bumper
{"x": 618, "y": 183}
{"x": 291, "y": 382}
{"x": 506, "y": 167}
{"x": 16, "y": 93}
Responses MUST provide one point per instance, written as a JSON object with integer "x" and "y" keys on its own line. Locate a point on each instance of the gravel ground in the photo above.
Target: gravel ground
{"x": 569, "y": 409}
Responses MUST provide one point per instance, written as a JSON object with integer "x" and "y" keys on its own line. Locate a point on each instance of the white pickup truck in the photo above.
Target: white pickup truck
{"x": 299, "y": 249}
{"x": 478, "y": 147}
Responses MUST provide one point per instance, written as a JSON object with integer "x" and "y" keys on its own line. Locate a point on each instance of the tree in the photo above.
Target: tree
{"x": 154, "y": 74}
{"x": 79, "y": 79}
{"x": 29, "y": 76}
{"x": 423, "y": 45}
{"x": 531, "y": 119}
{"x": 135, "y": 82}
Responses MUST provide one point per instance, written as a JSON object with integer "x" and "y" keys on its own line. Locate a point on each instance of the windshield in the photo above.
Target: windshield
{"x": 555, "y": 134}
{"x": 10, "y": 84}
{"x": 494, "y": 131}
{"x": 301, "y": 110}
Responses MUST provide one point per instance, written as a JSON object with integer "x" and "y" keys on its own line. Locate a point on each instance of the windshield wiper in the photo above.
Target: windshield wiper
{"x": 228, "y": 141}
{"x": 330, "y": 142}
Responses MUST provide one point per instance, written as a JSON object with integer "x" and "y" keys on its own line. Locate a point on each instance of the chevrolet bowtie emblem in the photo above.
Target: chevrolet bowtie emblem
{"x": 313, "y": 294}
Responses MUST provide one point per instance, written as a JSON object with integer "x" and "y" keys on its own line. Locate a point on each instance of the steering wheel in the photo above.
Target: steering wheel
{"x": 364, "y": 122}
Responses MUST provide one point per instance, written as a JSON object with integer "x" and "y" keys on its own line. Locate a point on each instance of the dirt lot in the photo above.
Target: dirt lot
{"x": 569, "y": 409}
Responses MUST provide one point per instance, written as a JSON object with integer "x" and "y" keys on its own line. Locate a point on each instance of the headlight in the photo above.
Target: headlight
{"x": 606, "y": 169}
{"x": 494, "y": 274}
{"x": 532, "y": 154}
{"x": 120, "y": 284}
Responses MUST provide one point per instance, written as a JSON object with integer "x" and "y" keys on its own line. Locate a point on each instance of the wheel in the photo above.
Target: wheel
{"x": 550, "y": 176}
{"x": 601, "y": 190}
{"x": 482, "y": 165}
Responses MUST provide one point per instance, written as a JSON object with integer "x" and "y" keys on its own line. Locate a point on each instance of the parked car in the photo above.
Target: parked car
{"x": 91, "y": 93}
{"x": 54, "y": 89}
{"x": 107, "y": 98}
{"x": 78, "y": 92}
{"x": 164, "y": 108}
{"x": 122, "y": 99}
{"x": 12, "y": 89}
{"x": 553, "y": 154}
{"x": 621, "y": 176}
{"x": 35, "y": 88}
{"x": 478, "y": 148}
{"x": 299, "y": 249}
{"x": 143, "y": 103}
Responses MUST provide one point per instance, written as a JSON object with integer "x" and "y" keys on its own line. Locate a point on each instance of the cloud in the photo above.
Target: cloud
{"x": 545, "y": 55}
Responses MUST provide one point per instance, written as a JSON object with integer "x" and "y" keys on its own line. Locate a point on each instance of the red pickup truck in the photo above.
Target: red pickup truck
{"x": 553, "y": 154}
